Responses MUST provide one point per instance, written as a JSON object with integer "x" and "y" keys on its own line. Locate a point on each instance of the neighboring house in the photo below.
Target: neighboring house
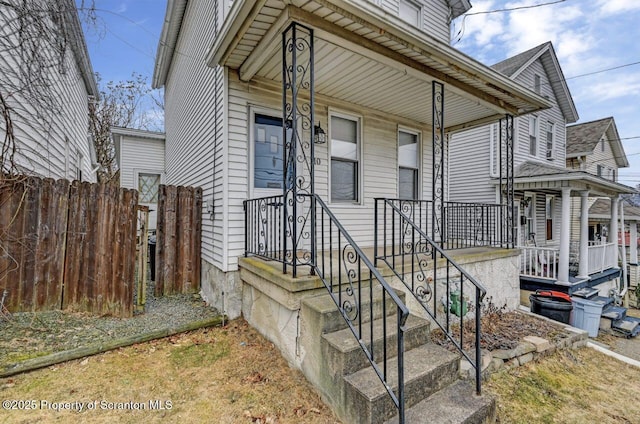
{"x": 594, "y": 147}
{"x": 140, "y": 155}
{"x": 544, "y": 185}
{"x": 221, "y": 68}
{"x": 52, "y": 137}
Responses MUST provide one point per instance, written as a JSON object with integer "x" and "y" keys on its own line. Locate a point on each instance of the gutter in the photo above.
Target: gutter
{"x": 168, "y": 39}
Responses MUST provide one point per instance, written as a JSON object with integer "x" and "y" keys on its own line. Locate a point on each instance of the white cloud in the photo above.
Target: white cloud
{"x": 624, "y": 85}
{"x": 612, "y": 7}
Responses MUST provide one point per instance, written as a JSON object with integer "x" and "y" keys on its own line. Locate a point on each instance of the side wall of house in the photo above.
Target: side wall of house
{"x": 194, "y": 123}
{"x": 52, "y": 140}
{"x": 139, "y": 155}
{"x": 435, "y": 16}
{"x": 604, "y": 158}
{"x": 470, "y": 166}
{"x": 553, "y": 115}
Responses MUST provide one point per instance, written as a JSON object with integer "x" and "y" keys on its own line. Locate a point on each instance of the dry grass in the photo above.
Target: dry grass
{"x": 216, "y": 375}
{"x": 582, "y": 386}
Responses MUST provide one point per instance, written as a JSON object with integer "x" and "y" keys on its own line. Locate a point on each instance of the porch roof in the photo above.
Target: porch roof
{"x": 601, "y": 209}
{"x": 369, "y": 57}
{"x": 532, "y": 175}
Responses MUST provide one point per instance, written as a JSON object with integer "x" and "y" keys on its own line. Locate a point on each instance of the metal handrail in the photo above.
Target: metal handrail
{"x": 409, "y": 241}
{"x": 344, "y": 270}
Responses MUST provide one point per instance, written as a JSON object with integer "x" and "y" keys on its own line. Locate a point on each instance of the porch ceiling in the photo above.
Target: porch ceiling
{"x": 368, "y": 57}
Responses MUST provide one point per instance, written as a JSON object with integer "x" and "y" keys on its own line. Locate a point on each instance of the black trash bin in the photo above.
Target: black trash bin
{"x": 152, "y": 256}
{"x": 554, "y": 305}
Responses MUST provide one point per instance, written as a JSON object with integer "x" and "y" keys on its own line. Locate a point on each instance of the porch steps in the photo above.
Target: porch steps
{"x": 350, "y": 385}
{"x": 615, "y": 318}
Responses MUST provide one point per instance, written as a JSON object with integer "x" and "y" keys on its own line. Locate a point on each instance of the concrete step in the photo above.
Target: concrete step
{"x": 343, "y": 353}
{"x": 323, "y": 312}
{"x": 455, "y": 404}
{"x": 427, "y": 369}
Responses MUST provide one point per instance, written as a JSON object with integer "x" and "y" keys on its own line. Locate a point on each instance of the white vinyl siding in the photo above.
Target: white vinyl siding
{"x": 196, "y": 152}
{"x": 603, "y": 157}
{"x": 410, "y": 12}
{"x": 470, "y": 166}
{"x": 434, "y": 15}
{"x": 42, "y": 147}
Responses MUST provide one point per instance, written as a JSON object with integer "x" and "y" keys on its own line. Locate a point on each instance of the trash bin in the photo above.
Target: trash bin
{"x": 551, "y": 304}
{"x": 152, "y": 256}
{"x": 586, "y": 314}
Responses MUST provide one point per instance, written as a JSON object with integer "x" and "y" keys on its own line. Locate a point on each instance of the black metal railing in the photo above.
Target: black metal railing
{"x": 473, "y": 224}
{"x": 357, "y": 288}
{"x": 263, "y": 228}
{"x": 436, "y": 281}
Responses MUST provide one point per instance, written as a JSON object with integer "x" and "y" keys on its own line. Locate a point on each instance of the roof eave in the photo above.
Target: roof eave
{"x": 79, "y": 48}
{"x": 168, "y": 39}
{"x": 241, "y": 12}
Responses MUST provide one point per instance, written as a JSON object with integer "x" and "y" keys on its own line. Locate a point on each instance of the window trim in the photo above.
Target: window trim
{"x": 535, "y": 135}
{"x": 418, "y": 134}
{"x": 253, "y": 111}
{"x": 549, "y": 203}
{"x": 359, "y": 156}
{"x": 136, "y": 177}
{"x": 537, "y": 84}
{"x": 550, "y": 146}
{"x": 418, "y": 6}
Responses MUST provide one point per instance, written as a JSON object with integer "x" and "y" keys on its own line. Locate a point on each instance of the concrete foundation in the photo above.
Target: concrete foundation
{"x": 222, "y": 290}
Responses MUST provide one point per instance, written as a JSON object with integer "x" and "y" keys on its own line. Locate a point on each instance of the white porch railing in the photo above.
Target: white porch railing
{"x": 540, "y": 262}
{"x": 602, "y": 256}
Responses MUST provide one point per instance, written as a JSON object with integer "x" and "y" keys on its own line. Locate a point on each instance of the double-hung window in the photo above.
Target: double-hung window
{"x": 345, "y": 159}
{"x": 408, "y": 164}
{"x": 533, "y": 135}
{"x": 550, "y": 132}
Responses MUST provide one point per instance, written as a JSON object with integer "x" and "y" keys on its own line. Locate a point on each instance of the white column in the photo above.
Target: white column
{"x": 565, "y": 224}
{"x": 583, "y": 267}
{"x": 613, "y": 224}
{"x": 633, "y": 242}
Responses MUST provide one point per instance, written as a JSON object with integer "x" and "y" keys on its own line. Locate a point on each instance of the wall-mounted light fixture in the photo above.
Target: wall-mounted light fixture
{"x": 320, "y": 136}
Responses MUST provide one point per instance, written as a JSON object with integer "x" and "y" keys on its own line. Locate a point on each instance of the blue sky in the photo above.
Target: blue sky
{"x": 588, "y": 36}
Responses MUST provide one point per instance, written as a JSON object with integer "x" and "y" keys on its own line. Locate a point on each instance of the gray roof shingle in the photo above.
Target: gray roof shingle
{"x": 510, "y": 65}
{"x": 583, "y": 138}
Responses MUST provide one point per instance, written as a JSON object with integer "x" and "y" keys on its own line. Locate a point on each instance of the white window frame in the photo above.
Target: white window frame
{"x": 418, "y": 170}
{"x": 494, "y": 150}
{"x": 359, "y": 154}
{"x": 79, "y": 164}
{"x": 533, "y": 217}
{"x": 550, "y": 145}
{"x": 533, "y": 122}
{"x": 136, "y": 179}
{"x": 549, "y": 212}
{"x": 416, "y": 5}
{"x": 537, "y": 84}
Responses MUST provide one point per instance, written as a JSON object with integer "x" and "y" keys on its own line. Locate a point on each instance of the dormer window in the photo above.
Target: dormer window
{"x": 410, "y": 12}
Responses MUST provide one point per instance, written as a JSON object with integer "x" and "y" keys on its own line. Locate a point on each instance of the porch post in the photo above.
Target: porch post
{"x": 583, "y": 266}
{"x": 565, "y": 224}
{"x": 298, "y": 216}
{"x": 613, "y": 223}
{"x": 507, "y": 197}
{"x": 633, "y": 242}
{"x": 438, "y": 229}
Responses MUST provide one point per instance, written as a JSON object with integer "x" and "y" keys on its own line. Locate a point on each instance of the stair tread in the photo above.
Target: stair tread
{"x": 418, "y": 362}
{"x": 324, "y": 303}
{"x": 614, "y": 312}
{"x": 344, "y": 341}
{"x": 454, "y": 404}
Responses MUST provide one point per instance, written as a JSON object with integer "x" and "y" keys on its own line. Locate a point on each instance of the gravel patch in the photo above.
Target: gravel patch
{"x": 29, "y": 335}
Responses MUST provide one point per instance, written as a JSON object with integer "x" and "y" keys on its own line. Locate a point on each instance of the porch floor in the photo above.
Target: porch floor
{"x": 331, "y": 259}
{"x": 532, "y": 283}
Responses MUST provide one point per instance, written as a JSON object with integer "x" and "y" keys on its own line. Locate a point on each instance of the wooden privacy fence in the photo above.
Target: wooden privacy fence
{"x": 67, "y": 246}
{"x": 179, "y": 225}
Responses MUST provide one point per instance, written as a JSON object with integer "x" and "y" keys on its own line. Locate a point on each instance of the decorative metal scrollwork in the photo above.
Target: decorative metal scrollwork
{"x": 437, "y": 114}
{"x": 298, "y": 133}
{"x": 507, "y": 197}
{"x": 350, "y": 261}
